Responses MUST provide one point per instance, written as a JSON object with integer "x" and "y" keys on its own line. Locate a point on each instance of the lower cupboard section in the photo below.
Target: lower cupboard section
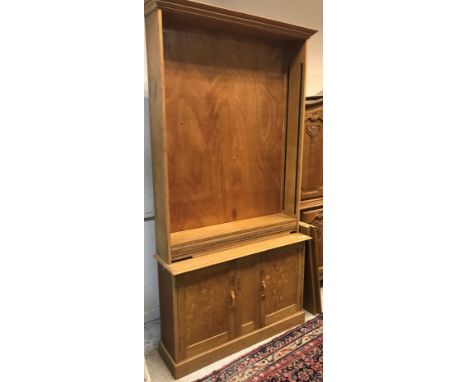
{"x": 212, "y": 312}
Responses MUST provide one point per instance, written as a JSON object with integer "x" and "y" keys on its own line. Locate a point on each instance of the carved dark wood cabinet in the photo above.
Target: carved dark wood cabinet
{"x": 312, "y": 172}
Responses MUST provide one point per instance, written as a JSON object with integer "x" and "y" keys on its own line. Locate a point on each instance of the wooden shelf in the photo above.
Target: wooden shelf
{"x": 184, "y": 243}
{"x": 239, "y": 251}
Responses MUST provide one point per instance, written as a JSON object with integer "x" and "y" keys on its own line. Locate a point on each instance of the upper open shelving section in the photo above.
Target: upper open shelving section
{"x": 226, "y": 106}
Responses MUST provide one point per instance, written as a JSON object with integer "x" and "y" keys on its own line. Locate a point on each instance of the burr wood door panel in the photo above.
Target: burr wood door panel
{"x": 207, "y": 301}
{"x": 281, "y": 279}
{"x": 312, "y": 165}
{"x": 315, "y": 218}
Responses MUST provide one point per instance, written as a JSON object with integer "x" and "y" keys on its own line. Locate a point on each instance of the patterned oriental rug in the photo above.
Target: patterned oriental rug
{"x": 296, "y": 355}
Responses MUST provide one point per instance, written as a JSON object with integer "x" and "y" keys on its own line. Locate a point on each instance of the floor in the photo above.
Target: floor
{"x": 160, "y": 373}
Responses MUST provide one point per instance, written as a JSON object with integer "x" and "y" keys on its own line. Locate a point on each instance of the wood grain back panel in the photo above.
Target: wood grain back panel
{"x": 225, "y": 119}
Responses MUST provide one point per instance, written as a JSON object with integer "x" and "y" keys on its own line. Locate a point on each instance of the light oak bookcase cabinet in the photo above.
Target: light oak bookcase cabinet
{"x": 226, "y": 112}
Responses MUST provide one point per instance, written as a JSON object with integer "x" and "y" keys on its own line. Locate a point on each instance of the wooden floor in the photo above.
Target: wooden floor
{"x": 159, "y": 372}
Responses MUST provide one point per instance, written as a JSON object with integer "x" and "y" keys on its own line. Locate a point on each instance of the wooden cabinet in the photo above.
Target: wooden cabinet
{"x": 226, "y": 97}
{"x": 312, "y": 173}
{"x": 233, "y": 299}
{"x": 229, "y": 305}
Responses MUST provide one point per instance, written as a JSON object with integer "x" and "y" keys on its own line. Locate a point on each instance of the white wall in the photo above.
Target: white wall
{"x": 306, "y": 13}
{"x": 151, "y": 274}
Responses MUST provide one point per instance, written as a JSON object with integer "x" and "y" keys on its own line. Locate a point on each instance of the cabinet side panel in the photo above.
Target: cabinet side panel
{"x": 168, "y": 310}
{"x": 295, "y": 112}
{"x": 312, "y": 296}
{"x": 300, "y": 275}
{"x": 154, "y": 48}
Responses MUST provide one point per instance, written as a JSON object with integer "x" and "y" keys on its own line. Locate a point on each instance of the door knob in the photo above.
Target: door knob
{"x": 233, "y": 299}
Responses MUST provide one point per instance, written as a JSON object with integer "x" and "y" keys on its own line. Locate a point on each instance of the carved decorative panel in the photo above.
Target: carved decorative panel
{"x": 312, "y": 174}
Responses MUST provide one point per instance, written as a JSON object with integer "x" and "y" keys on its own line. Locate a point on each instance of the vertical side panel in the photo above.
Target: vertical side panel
{"x": 312, "y": 296}
{"x": 155, "y": 55}
{"x": 300, "y": 275}
{"x": 168, "y": 310}
{"x": 296, "y": 85}
{"x": 302, "y": 59}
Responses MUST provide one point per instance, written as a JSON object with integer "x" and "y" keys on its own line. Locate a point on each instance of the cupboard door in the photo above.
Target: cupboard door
{"x": 281, "y": 280}
{"x": 207, "y": 301}
{"x": 312, "y": 157}
{"x": 315, "y": 218}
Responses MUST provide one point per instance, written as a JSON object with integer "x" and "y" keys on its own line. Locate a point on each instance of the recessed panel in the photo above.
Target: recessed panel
{"x": 225, "y": 119}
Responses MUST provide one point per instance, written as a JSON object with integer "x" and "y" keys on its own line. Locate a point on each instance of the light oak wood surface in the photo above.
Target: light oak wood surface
{"x": 227, "y": 110}
{"x": 195, "y": 241}
{"x": 232, "y": 300}
{"x": 180, "y": 369}
{"x": 242, "y": 250}
{"x": 156, "y": 88}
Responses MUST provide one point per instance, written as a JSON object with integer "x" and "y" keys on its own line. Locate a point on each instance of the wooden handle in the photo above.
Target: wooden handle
{"x": 263, "y": 288}
{"x": 233, "y": 299}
